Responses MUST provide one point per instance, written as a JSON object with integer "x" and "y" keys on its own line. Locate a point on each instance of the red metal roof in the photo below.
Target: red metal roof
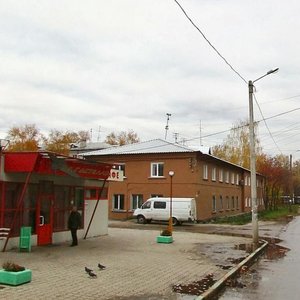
{"x": 52, "y": 163}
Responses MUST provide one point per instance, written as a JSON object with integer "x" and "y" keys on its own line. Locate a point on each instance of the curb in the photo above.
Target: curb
{"x": 214, "y": 289}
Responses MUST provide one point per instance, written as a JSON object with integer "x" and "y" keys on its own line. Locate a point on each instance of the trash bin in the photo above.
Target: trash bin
{"x": 25, "y": 239}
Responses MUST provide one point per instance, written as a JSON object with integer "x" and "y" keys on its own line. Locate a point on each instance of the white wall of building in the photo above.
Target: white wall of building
{"x": 99, "y": 226}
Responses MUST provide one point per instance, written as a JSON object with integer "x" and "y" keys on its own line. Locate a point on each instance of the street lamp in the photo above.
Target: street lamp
{"x": 171, "y": 174}
{"x": 253, "y": 158}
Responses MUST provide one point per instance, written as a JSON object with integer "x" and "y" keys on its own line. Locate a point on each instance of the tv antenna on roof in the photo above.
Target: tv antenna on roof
{"x": 167, "y": 126}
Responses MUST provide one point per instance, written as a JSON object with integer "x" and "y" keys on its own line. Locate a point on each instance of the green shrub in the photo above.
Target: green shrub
{"x": 166, "y": 232}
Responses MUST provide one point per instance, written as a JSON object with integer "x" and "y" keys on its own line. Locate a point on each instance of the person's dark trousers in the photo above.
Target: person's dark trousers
{"x": 74, "y": 237}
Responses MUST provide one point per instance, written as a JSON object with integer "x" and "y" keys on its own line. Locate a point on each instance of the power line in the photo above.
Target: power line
{"x": 266, "y": 124}
{"x": 211, "y": 45}
{"x": 228, "y": 130}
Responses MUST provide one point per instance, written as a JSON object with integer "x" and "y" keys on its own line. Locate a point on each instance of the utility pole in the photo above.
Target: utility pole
{"x": 167, "y": 126}
{"x": 176, "y": 134}
{"x": 253, "y": 160}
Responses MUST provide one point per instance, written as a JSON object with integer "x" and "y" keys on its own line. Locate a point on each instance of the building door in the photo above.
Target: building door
{"x": 44, "y": 216}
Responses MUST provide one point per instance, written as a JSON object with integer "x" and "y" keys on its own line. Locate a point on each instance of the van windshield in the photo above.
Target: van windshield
{"x": 146, "y": 205}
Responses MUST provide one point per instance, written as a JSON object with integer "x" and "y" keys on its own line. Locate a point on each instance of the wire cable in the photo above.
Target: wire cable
{"x": 228, "y": 130}
{"x": 211, "y": 45}
{"x": 264, "y": 120}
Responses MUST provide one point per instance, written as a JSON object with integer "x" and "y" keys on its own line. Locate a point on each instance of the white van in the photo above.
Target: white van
{"x": 183, "y": 210}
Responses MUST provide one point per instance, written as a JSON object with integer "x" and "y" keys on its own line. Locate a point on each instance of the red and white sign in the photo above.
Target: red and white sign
{"x": 116, "y": 175}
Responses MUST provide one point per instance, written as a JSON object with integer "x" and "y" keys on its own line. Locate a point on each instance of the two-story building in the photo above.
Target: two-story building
{"x": 219, "y": 187}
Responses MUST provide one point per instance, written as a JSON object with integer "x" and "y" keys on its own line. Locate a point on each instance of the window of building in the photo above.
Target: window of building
{"x": 136, "y": 201}
{"x": 120, "y": 167}
{"x": 232, "y": 202}
{"x": 157, "y": 169}
{"x": 249, "y": 180}
{"x": 246, "y": 202}
{"x": 232, "y": 178}
{"x": 227, "y": 176}
{"x": 63, "y": 197}
{"x": 237, "y": 179}
{"x": 214, "y": 204}
{"x": 237, "y": 205}
{"x": 156, "y": 195}
{"x": 227, "y": 203}
{"x": 91, "y": 194}
{"x": 221, "y": 202}
{"x": 205, "y": 172}
{"x": 221, "y": 175}
{"x": 118, "y": 202}
{"x": 159, "y": 204}
{"x": 214, "y": 174}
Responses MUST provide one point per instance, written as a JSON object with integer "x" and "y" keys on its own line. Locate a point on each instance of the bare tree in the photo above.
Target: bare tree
{"x": 122, "y": 138}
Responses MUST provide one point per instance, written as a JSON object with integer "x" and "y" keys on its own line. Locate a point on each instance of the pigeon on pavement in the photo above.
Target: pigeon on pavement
{"x": 101, "y": 267}
{"x": 88, "y": 270}
{"x": 92, "y": 275}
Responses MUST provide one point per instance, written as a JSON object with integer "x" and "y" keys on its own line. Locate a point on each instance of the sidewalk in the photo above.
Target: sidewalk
{"x": 137, "y": 266}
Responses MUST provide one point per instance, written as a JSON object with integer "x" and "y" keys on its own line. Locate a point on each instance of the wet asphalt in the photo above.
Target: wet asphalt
{"x": 276, "y": 274}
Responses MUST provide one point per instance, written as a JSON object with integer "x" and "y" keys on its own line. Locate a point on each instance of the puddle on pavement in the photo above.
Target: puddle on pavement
{"x": 274, "y": 251}
{"x": 271, "y": 252}
{"x": 226, "y": 258}
{"x": 196, "y": 287}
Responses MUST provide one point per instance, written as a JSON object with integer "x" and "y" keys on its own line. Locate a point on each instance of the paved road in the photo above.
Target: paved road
{"x": 137, "y": 267}
{"x": 275, "y": 279}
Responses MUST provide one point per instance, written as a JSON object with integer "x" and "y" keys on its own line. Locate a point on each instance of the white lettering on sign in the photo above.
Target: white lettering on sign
{"x": 115, "y": 175}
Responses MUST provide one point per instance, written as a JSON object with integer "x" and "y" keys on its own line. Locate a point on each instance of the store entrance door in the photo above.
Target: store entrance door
{"x": 44, "y": 215}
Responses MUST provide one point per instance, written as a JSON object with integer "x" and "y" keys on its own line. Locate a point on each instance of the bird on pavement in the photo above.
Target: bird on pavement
{"x": 101, "y": 267}
{"x": 88, "y": 270}
{"x": 92, "y": 275}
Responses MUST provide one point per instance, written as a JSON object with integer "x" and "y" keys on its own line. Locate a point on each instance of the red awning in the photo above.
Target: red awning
{"x": 52, "y": 163}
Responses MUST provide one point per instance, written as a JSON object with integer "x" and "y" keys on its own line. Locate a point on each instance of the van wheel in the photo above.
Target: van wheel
{"x": 175, "y": 221}
{"x": 141, "y": 219}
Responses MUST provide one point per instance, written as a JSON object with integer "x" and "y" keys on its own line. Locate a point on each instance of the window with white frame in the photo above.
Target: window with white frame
{"x": 213, "y": 174}
{"x": 246, "y": 180}
{"x": 157, "y": 169}
{"x": 221, "y": 175}
{"x": 246, "y": 202}
{"x": 118, "y": 202}
{"x": 227, "y": 176}
{"x": 120, "y": 167}
{"x": 237, "y": 179}
{"x": 214, "y": 204}
{"x": 232, "y": 178}
{"x": 232, "y": 202}
{"x": 205, "y": 172}
{"x": 249, "y": 180}
{"x": 136, "y": 201}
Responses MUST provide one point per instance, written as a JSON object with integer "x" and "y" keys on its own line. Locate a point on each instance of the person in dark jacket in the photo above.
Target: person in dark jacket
{"x": 74, "y": 223}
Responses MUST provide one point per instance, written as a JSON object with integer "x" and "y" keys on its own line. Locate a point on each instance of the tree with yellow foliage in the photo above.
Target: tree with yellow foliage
{"x": 24, "y": 138}
{"x": 236, "y": 147}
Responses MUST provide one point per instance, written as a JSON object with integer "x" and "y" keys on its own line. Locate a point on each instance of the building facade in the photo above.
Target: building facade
{"x": 219, "y": 188}
{"x": 38, "y": 190}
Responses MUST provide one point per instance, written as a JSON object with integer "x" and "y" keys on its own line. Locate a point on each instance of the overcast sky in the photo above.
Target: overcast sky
{"x": 115, "y": 65}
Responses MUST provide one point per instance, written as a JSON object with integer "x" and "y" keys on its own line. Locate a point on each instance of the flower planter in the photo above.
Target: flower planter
{"x": 15, "y": 278}
{"x": 164, "y": 239}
